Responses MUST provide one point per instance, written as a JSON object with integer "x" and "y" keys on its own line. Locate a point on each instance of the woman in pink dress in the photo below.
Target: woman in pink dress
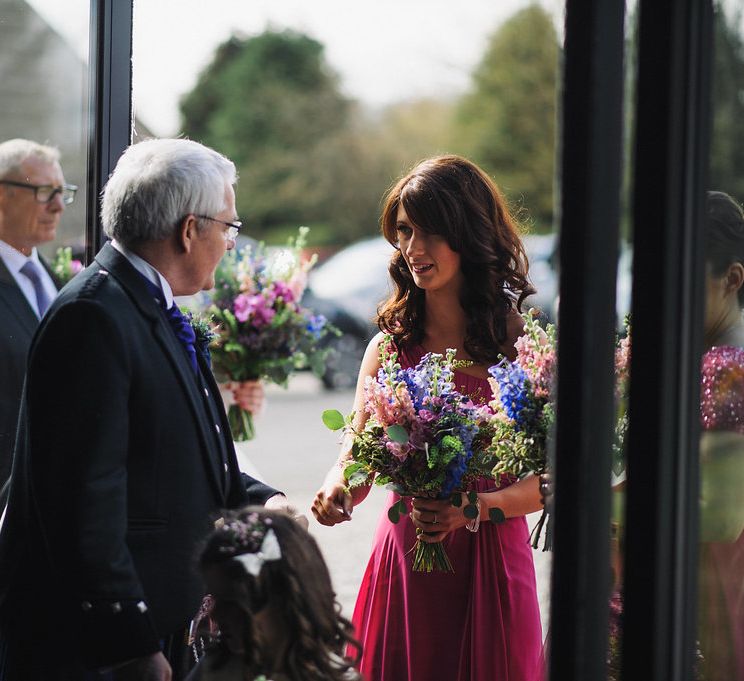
{"x": 460, "y": 276}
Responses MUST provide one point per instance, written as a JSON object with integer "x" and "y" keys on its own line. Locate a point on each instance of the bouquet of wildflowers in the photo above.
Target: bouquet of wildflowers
{"x": 262, "y": 330}
{"x": 64, "y": 266}
{"x": 421, "y": 438}
{"x": 523, "y": 407}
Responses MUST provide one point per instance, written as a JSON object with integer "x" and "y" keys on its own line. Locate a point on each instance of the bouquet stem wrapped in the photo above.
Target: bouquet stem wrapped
{"x": 241, "y": 423}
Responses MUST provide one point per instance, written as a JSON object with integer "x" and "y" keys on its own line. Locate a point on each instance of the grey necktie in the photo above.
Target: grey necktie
{"x": 31, "y": 271}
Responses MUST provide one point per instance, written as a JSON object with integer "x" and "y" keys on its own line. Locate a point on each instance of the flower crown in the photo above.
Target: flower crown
{"x": 252, "y": 542}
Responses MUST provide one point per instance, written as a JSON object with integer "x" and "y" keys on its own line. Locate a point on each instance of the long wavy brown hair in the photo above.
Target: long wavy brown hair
{"x": 452, "y": 196}
{"x": 298, "y": 585}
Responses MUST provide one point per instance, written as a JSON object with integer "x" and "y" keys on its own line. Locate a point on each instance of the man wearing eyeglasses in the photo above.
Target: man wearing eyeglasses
{"x": 124, "y": 458}
{"x": 33, "y": 196}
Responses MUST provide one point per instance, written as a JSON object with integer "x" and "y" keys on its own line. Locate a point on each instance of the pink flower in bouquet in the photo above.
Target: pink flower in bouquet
{"x": 298, "y": 283}
{"x": 398, "y": 450}
{"x": 254, "y": 308}
{"x": 538, "y": 360}
{"x": 262, "y": 312}
{"x": 388, "y": 407}
{"x": 622, "y": 366}
{"x": 75, "y": 267}
{"x": 242, "y": 308}
{"x": 283, "y": 290}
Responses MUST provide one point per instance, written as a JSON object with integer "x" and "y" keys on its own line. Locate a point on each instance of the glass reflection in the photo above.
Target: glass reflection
{"x": 721, "y": 576}
{"x": 43, "y": 87}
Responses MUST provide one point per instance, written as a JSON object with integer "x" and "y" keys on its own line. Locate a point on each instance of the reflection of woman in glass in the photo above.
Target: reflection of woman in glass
{"x": 460, "y": 275}
{"x": 721, "y": 588}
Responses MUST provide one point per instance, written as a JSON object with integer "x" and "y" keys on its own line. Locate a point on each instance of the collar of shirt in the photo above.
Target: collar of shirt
{"x": 147, "y": 271}
{"x": 14, "y": 259}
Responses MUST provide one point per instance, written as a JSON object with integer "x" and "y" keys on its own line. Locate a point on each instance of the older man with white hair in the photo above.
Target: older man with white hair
{"x": 33, "y": 195}
{"x": 124, "y": 458}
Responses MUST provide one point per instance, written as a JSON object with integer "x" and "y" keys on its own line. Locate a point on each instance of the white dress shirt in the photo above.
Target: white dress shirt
{"x": 14, "y": 260}
{"x": 147, "y": 271}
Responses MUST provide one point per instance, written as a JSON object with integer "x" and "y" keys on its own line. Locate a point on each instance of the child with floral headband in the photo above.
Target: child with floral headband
{"x": 272, "y": 610}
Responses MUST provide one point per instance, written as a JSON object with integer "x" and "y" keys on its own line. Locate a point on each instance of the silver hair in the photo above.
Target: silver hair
{"x": 14, "y": 152}
{"x": 158, "y": 182}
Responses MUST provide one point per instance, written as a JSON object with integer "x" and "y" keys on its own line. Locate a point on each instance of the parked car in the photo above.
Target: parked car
{"x": 347, "y": 289}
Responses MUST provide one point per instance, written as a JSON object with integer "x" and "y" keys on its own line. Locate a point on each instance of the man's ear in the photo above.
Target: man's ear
{"x": 734, "y": 277}
{"x": 187, "y": 233}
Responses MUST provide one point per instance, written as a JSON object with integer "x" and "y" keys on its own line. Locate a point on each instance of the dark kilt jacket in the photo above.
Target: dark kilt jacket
{"x": 18, "y": 323}
{"x": 116, "y": 478}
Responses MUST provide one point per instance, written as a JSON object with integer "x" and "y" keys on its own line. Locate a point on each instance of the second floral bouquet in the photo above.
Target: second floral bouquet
{"x": 263, "y": 331}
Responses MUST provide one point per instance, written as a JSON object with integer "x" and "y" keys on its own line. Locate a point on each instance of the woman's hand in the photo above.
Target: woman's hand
{"x": 436, "y": 518}
{"x": 333, "y": 503}
{"x": 248, "y": 395}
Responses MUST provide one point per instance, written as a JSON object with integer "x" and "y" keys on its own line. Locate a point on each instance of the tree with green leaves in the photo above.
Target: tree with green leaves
{"x": 507, "y": 122}
{"x": 271, "y": 104}
{"x": 727, "y": 141}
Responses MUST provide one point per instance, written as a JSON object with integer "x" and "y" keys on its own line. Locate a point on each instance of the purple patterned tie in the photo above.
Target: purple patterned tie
{"x": 31, "y": 271}
{"x": 178, "y": 322}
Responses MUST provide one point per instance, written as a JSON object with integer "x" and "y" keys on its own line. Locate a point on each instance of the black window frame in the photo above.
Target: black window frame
{"x": 109, "y": 105}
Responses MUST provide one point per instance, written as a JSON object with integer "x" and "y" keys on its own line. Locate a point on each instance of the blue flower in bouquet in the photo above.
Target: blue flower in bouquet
{"x": 316, "y": 325}
{"x": 514, "y": 390}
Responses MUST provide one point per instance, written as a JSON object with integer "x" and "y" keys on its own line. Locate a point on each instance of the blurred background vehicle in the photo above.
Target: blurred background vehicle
{"x": 347, "y": 288}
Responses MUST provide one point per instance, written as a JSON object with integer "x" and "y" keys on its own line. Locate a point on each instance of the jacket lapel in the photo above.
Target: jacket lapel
{"x": 16, "y": 301}
{"x": 118, "y": 266}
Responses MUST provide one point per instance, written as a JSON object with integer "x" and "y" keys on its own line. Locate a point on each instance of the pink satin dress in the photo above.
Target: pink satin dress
{"x": 481, "y": 623}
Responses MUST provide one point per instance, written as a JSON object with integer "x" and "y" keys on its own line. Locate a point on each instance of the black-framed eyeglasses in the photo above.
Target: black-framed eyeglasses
{"x": 233, "y": 228}
{"x": 44, "y": 193}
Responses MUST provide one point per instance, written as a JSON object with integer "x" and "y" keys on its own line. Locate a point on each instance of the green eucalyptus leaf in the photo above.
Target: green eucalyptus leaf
{"x": 472, "y": 496}
{"x": 351, "y": 468}
{"x": 397, "y": 434}
{"x": 394, "y": 514}
{"x": 496, "y": 515}
{"x": 357, "y": 478}
{"x": 456, "y": 499}
{"x": 333, "y": 419}
{"x": 470, "y": 511}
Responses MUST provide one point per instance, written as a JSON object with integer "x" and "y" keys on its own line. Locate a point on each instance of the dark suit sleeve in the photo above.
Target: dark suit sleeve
{"x": 254, "y": 491}
{"x": 78, "y": 393}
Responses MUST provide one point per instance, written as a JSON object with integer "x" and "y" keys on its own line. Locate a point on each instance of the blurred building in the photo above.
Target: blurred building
{"x": 44, "y": 97}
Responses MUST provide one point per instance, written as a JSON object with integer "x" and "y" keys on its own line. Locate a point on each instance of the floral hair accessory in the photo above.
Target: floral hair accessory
{"x": 252, "y": 542}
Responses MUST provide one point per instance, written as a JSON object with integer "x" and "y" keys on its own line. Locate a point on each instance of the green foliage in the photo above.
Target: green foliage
{"x": 397, "y": 510}
{"x": 439, "y": 456}
{"x": 397, "y": 434}
{"x": 727, "y": 141}
{"x": 496, "y": 515}
{"x": 272, "y": 105}
{"x": 507, "y": 123}
{"x": 333, "y": 419}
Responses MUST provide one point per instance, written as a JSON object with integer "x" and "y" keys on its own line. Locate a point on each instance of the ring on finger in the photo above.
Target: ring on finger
{"x": 434, "y": 521}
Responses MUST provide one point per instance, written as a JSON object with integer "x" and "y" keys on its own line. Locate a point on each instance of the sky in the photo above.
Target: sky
{"x": 383, "y": 50}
